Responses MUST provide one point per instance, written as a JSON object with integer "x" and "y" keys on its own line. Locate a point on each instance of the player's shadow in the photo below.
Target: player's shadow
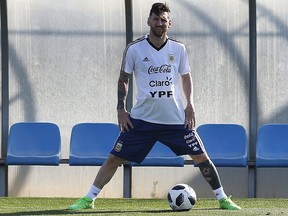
{"x": 89, "y": 212}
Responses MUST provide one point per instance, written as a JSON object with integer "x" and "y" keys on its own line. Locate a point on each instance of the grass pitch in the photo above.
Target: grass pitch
{"x": 56, "y": 206}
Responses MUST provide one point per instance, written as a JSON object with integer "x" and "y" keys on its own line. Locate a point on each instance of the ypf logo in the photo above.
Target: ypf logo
{"x": 161, "y": 94}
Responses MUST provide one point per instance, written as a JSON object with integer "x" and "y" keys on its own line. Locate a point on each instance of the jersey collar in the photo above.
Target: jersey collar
{"x": 157, "y": 48}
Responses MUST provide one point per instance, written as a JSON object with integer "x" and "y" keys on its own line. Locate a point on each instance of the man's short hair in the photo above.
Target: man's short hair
{"x": 158, "y": 8}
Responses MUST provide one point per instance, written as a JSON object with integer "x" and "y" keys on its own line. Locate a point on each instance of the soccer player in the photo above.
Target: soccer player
{"x": 159, "y": 64}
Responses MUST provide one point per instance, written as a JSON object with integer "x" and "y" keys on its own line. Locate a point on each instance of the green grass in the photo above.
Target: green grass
{"x": 56, "y": 206}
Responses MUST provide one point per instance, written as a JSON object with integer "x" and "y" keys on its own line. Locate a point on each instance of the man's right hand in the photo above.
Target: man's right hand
{"x": 124, "y": 120}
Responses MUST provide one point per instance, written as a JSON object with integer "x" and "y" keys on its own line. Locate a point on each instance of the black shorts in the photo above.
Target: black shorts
{"x": 135, "y": 144}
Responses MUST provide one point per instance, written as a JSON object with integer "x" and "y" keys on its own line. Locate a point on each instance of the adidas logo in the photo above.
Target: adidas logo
{"x": 146, "y": 59}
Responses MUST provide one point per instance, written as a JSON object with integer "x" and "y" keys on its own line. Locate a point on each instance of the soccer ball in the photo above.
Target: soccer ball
{"x": 181, "y": 197}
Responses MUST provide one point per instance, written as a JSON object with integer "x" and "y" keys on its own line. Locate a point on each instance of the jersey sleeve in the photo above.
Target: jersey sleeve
{"x": 128, "y": 60}
{"x": 184, "y": 66}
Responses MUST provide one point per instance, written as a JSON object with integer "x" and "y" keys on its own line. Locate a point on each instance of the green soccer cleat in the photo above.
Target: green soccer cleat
{"x": 82, "y": 203}
{"x": 228, "y": 204}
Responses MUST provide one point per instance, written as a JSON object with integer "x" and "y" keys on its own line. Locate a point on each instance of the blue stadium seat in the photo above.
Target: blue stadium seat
{"x": 161, "y": 155}
{"x": 34, "y": 143}
{"x": 272, "y": 146}
{"x": 91, "y": 143}
{"x": 226, "y": 144}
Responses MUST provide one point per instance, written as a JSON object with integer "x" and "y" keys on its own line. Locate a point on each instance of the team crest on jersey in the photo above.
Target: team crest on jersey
{"x": 171, "y": 58}
{"x": 118, "y": 147}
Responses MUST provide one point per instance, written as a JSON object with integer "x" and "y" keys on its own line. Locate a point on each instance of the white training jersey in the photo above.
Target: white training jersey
{"x": 156, "y": 72}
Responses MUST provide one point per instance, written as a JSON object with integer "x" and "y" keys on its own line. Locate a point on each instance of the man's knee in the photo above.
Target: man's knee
{"x": 114, "y": 160}
{"x": 199, "y": 158}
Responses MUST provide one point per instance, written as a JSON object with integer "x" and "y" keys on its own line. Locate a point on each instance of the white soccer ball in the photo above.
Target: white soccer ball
{"x": 181, "y": 197}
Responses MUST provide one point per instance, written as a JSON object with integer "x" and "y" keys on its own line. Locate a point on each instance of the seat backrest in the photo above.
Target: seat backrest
{"x": 91, "y": 143}
{"x": 226, "y": 144}
{"x": 161, "y": 155}
{"x": 272, "y": 146}
{"x": 34, "y": 143}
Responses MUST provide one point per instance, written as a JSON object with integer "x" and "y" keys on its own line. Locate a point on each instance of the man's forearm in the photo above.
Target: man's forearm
{"x": 188, "y": 88}
{"x": 122, "y": 90}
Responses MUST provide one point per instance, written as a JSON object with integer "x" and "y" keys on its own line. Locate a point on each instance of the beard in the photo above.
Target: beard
{"x": 158, "y": 33}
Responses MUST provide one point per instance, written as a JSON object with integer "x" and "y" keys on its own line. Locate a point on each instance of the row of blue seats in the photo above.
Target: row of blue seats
{"x": 39, "y": 143}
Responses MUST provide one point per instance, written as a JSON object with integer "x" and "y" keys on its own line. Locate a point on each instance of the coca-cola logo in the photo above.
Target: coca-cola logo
{"x": 162, "y": 69}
